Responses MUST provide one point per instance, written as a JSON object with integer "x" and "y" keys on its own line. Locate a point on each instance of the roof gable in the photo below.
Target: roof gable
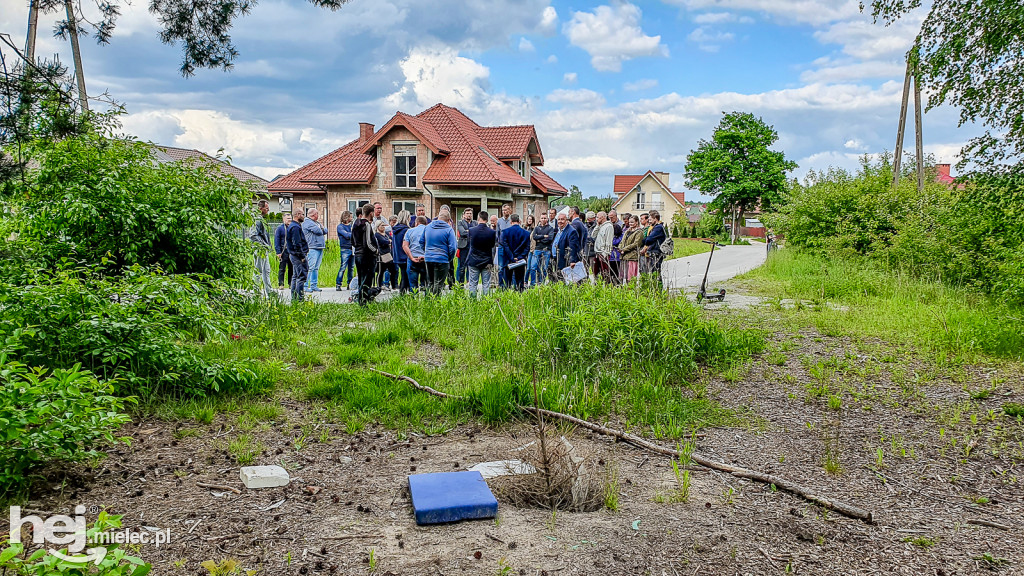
{"x": 423, "y": 131}
{"x": 678, "y": 197}
{"x": 546, "y": 183}
{"x": 511, "y": 142}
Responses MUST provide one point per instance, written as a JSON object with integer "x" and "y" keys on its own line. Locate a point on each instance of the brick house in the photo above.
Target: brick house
{"x": 646, "y": 192}
{"x": 438, "y": 157}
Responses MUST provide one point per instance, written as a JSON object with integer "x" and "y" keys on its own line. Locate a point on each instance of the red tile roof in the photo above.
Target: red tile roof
{"x": 509, "y": 142}
{"x": 172, "y": 154}
{"x": 464, "y": 153}
{"x": 623, "y": 184}
{"x": 680, "y": 196}
{"x": 331, "y": 166}
{"x": 546, "y": 183}
{"x": 469, "y": 161}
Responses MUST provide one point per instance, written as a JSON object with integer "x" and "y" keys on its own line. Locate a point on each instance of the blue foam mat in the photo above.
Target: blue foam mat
{"x": 450, "y": 497}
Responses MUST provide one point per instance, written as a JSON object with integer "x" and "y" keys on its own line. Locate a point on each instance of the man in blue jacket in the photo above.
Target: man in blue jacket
{"x": 581, "y": 230}
{"x": 566, "y": 247}
{"x": 316, "y": 238}
{"x": 297, "y": 250}
{"x": 479, "y": 254}
{"x": 515, "y": 242}
{"x": 440, "y": 244}
{"x": 345, "y": 242}
{"x": 398, "y": 254}
{"x": 281, "y": 247}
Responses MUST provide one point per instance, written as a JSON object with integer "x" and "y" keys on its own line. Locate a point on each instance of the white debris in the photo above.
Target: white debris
{"x": 503, "y": 468}
{"x": 263, "y": 476}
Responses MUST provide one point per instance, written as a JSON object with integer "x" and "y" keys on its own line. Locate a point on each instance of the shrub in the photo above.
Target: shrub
{"x": 141, "y": 331}
{"x": 59, "y": 415}
{"x": 116, "y": 562}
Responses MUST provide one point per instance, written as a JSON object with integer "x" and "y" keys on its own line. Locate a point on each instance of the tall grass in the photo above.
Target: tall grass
{"x": 898, "y": 307}
{"x": 630, "y": 355}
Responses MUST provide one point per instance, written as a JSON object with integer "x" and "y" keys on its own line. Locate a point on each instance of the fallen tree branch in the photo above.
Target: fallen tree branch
{"x": 419, "y": 386}
{"x": 988, "y": 524}
{"x": 739, "y": 472}
{"x": 218, "y": 487}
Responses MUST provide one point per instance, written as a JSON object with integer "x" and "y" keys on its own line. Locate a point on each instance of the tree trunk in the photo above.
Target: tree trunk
{"x": 76, "y": 53}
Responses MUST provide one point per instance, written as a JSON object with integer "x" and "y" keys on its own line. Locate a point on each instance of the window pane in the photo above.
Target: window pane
{"x": 400, "y": 164}
{"x": 411, "y": 164}
{"x": 412, "y": 181}
{"x": 400, "y": 181}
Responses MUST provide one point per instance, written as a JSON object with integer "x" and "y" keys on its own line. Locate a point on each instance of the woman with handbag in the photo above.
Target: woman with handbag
{"x": 386, "y": 258}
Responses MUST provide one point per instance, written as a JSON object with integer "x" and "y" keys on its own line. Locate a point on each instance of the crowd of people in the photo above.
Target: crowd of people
{"x": 411, "y": 253}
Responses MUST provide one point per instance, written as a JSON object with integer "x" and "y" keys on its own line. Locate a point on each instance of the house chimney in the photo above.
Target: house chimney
{"x": 365, "y": 131}
{"x": 663, "y": 176}
{"x": 943, "y": 172}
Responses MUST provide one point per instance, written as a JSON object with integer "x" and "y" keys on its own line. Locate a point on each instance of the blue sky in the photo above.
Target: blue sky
{"x": 613, "y": 87}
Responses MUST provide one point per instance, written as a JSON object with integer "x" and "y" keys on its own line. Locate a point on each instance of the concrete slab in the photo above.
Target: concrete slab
{"x": 263, "y": 476}
{"x": 451, "y": 497}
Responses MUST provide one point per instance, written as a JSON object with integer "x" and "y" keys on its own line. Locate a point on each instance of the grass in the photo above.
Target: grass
{"x": 686, "y": 247}
{"x": 866, "y": 300}
{"x": 630, "y": 355}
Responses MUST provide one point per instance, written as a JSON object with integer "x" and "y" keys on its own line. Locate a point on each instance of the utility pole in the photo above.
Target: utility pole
{"x": 76, "y": 52}
{"x": 33, "y": 25}
{"x": 912, "y": 76}
{"x": 898, "y": 152}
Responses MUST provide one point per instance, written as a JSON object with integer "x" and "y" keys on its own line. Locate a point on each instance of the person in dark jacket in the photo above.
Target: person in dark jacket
{"x": 543, "y": 236}
{"x": 462, "y": 230}
{"x": 581, "y": 231}
{"x": 480, "y": 249}
{"x": 515, "y": 243}
{"x": 387, "y": 274}
{"x": 566, "y": 247}
{"x": 398, "y": 253}
{"x": 364, "y": 246}
{"x": 281, "y": 247}
{"x": 345, "y": 242}
{"x": 297, "y": 250}
{"x": 652, "y": 243}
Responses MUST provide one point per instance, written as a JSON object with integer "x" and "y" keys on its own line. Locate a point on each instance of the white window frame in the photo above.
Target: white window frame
{"x": 358, "y": 204}
{"x": 399, "y": 205}
{"x": 641, "y": 198}
{"x": 404, "y": 151}
{"x": 307, "y": 206}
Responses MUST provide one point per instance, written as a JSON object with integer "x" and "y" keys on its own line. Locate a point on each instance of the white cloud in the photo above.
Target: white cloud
{"x": 552, "y": 59}
{"x": 438, "y": 74}
{"x": 525, "y": 45}
{"x": 721, "y": 18}
{"x": 855, "y": 144}
{"x": 582, "y": 98}
{"x": 815, "y": 12}
{"x": 831, "y": 71}
{"x": 548, "y": 21}
{"x": 570, "y": 78}
{"x": 612, "y": 35}
{"x": 644, "y": 84}
{"x": 708, "y": 40}
{"x": 863, "y": 39}
{"x": 585, "y": 164}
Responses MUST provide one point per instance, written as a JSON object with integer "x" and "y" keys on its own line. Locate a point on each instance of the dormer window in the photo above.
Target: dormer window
{"x": 405, "y": 166}
{"x": 524, "y": 168}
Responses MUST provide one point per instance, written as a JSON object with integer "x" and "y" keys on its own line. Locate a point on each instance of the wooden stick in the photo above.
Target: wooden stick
{"x": 419, "y": 386}
{"x": 218, "y": 487}
{"x": 988, "y": 524}
{"x": 739, "y": 472}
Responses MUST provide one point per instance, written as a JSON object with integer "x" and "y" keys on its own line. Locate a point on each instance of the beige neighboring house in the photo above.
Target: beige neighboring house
{"x": 646, "y": 192}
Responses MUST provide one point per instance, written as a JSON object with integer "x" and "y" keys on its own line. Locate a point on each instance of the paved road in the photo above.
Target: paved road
{"x": 728, "y": 261}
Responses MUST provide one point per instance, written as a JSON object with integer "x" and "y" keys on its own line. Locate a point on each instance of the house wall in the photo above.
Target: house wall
{"x": 386, "y": 158}
{"x": 648, "y": 185}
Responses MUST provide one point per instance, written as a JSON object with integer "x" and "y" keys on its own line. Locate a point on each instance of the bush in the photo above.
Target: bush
{"x": 966, "y": 236}
{"x": 95, "y": 199}
{"x": 59, "y": 415}
{"x": 141, "y": 331}
{"x": 116, "y": 562}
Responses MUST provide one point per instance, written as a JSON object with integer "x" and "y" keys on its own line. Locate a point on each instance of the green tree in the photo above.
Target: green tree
{"x": 737, "y": 167}
{"x": 971, "y": 55}
{"x": 573, "y": 198}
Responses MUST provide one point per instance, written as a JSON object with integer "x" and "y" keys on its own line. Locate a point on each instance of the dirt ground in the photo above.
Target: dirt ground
{"x": 348, "y": 494}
